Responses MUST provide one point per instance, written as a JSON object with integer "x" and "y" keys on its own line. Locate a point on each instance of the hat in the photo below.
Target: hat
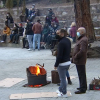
{"x": 49, "y": 9}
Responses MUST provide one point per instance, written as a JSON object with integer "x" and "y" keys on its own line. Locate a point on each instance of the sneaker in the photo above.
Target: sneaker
{"x": 58, "y": 92}
{"x": 58, "y": 84}
{"x": 29, "y": 49}
{"x": 2, "y": 41}
{"x": 62, "y": 95}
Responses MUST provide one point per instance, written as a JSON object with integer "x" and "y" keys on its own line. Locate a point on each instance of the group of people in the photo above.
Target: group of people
{"x": 79, "y": 56}
{"x": 30, "y": 13}
{"x": 35, "y": 34}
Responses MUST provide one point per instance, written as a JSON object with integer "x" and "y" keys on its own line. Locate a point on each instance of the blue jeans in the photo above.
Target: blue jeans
{"x": 74, "y": 39}
{"x": 62, "y": 70}
{"x": 36, "y": 39}
{"x": 29, "y": 38}
{"x": 67, "y": 74}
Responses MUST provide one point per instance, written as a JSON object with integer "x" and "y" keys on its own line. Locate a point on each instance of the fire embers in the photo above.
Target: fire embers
{"x": 36, "y": 76}
{"x": 37, "y": 70}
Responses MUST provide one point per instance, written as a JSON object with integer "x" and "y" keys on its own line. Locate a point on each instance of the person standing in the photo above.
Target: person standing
{"x": 29, "y": 34}
{"x": 9, "y": 19}
{"x": 79, "y": 58}
{"x": 63, "y": 62}
{"x": 37, "y": 29}
{"x": 73, "y": 31}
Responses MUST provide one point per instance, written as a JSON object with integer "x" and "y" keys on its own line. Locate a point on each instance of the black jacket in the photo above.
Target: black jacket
{"x": 29, "y": 29}
{"x": 63, "y": 51}
{"x": 20, "y": 31}
{"x": 15, "y": 30}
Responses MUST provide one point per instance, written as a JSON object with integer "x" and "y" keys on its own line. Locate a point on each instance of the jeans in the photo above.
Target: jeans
{"x": 36, "y": 38}
{"x": 62, "y": 70}
{"x": 67, "y": 74}
{"x": 74, "y": 39}
{"x": 12, "y": 37}
{"x": 29, "y": 38}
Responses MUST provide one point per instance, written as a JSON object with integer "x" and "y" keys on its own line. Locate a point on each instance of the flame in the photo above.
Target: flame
{"x": 38, "y": 70}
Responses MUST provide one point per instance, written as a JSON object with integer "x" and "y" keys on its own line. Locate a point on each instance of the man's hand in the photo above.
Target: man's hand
{"x": 55, "y": 68}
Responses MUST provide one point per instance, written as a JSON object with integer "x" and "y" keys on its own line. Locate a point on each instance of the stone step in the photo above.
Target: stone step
{"x": 7, "y": 44}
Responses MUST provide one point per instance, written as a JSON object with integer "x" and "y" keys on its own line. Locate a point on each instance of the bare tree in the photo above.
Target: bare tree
{"x": 9, "y": 4}
{"x": 83, "y": 17}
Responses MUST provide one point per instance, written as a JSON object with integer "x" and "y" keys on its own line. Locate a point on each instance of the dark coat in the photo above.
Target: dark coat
{"x": 29, "y": 29}
{"x": 15, "y": 30}
{"x": 63, "y": 51}
{"x": 80, "y": 51}
{"x": 20, "y": 31}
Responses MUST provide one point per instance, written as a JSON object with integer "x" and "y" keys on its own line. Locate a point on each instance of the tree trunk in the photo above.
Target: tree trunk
{"x": 83, "y": 17}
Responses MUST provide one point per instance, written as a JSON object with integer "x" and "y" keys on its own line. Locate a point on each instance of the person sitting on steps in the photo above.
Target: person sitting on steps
{"x": 6, "y": 32}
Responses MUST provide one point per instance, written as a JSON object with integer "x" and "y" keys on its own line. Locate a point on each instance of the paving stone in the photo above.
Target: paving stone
{"x": 13, "y": 64}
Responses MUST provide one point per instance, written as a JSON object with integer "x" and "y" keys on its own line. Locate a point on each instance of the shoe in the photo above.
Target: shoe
{"x": 78, "y": 88}
{"x": 29, "y": 49}
{"x": 58, "y": 92}
{"x": 58, "y": 84}
{"x": 10, "y": 41}
{"x": 38, "y": 49}
{"x": 2, "y": 41}
{"x": 16, "y": 42}
{"x": 80, "y": 92}
{"x": 69, "y": 82}
{"x": 62, "y": 95}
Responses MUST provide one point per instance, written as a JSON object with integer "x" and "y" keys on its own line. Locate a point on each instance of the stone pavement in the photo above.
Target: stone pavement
{"x": 13, "y": 64}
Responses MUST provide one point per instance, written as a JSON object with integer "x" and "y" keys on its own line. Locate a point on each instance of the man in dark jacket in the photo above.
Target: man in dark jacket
{"x": 79, "y": 58}
{"x": 63, "y": 61}
{"x": 29, "y": 34}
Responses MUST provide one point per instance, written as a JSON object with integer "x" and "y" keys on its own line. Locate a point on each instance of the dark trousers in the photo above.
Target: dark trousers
{"x": 12, "y": 37}
{"x": 16, "y": 38}
{"x": 4, "y": 37}
{"x": 82, "y": 77}
{"x": 25, "y": 42}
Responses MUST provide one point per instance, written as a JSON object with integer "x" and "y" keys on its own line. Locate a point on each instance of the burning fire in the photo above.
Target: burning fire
{"x": 38, "y": 70}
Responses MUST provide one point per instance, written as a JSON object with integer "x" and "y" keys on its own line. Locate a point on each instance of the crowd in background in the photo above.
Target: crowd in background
{"x": 35, "y": 35}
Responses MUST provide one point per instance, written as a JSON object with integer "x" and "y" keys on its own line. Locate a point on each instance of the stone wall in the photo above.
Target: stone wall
{"x": 64, "y": 14}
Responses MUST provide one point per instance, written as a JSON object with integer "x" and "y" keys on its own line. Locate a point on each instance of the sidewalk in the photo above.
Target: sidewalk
{"x": 13, "y": 64}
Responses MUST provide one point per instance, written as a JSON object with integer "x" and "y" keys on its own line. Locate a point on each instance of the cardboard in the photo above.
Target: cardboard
{"x": 15, "y": 96}
{"x": 36, "y": 95}
{"x": 8, "y": 82}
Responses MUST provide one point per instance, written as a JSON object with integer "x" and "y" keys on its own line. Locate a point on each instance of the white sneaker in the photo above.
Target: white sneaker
{"x": 29, "y": 49}
{"x": 58, "y": 92}
{"x": 2, "y": 41}
{"x": 62, "y": 95}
